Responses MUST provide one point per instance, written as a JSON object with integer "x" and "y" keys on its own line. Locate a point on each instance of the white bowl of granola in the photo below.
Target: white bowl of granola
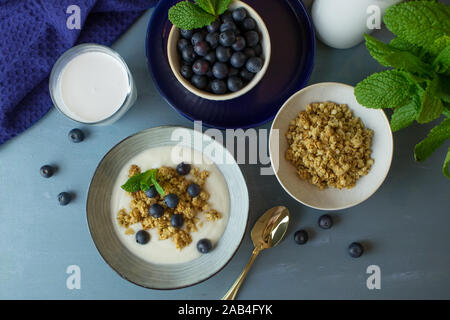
{"x": 329, "y": 152}
{"x": 142, "y": 233}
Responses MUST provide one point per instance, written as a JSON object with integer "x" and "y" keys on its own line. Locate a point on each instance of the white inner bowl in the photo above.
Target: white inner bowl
{"x": 330, "y": 198}
{"x": 174, "y": 57}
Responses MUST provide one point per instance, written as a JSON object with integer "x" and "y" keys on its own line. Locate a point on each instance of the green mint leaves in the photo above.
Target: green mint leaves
{"x": 188, "y": 15}
{"x": 418, "y": 85}
{"x": 143, "y": 181}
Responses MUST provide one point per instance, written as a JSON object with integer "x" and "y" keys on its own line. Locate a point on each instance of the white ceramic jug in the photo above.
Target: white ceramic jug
{"x": 341, "y": 24}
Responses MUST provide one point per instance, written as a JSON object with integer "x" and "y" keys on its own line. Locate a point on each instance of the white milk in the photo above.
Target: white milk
{"x": 93, "y": 86}
{"x": 164, "y": 251}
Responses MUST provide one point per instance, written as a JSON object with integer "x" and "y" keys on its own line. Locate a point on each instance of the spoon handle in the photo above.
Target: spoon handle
{"x": 231, "y": 294}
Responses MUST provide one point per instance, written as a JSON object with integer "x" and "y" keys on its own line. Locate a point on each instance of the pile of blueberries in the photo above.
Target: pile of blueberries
{"x": 171, "y": 201}
{"x": 224, "y": 56}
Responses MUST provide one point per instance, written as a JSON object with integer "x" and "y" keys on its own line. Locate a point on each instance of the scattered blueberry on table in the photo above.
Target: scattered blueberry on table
{"x": 177, "y": 220}
{"x": 156, "y": 210}
{"x": 142, "y": 237}
{"x": 47, "y": 171}
{"x": 223, "y": 56}
{"x": 193, "y": 190}
{"x": 76, "y": 135}
{"x": 325, "y": 221}
{"x": 171, "y": 200}
{"x": 301, "y": 237}
{"x": 64, "y": 198}
{"x": 204, "y": 246}
{"x": 355, "y": 250}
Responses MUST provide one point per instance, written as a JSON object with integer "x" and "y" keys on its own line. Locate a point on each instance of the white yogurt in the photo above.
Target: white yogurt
{"x": 93, "y": 86}
{"x": 164, "y": 251}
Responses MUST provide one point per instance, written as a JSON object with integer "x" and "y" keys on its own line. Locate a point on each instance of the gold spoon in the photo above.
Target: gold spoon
{"x": 268, "y": 231}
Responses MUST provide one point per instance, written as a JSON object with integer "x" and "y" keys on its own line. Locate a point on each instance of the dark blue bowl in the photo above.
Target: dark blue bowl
{"x": 293, "y": 48}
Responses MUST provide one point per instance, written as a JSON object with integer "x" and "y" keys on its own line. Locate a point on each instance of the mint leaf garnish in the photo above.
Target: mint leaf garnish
{"x": 419, "y": 22}
{"x": 434, "y": 140}
{"x": 387, "y": 89}
{"x": 442, "y": 61}
{"x": 133, "y": 184}
{"x": 403, "y": 116}
{"x": 446, "y": 163}
{"x": 207, "y": 5}
{"x": 221, "y": 6}
{"x": 187, "y": 15}
{"x": 143, "y": 181}
{"x": 432, "y": 106}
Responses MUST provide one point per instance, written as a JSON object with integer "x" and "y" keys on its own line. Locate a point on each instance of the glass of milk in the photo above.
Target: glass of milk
{"x": 92, "y": 84}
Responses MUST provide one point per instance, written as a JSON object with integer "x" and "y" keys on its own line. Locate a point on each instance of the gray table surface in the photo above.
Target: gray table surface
{"x": 405, "y": 225}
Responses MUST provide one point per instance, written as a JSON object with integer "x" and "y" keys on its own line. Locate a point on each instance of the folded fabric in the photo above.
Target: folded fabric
{"x": 34, "y": 33}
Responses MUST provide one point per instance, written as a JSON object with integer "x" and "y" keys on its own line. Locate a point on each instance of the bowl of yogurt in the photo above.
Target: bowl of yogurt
{"x": 91, "y": 84}
{"x": 158, "y": 262}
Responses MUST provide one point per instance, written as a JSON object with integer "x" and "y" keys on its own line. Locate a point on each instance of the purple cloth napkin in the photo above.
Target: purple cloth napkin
{"x": 33, "y": 34}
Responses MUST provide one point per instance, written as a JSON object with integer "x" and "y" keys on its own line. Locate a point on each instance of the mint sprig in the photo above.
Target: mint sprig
{"x": 188, "y": 15}
{"x": 143, "y": 181}
{"x": 418, "y": 86}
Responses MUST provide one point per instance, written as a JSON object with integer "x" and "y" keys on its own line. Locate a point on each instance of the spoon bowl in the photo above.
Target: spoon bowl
{"x": 267, "y": 232}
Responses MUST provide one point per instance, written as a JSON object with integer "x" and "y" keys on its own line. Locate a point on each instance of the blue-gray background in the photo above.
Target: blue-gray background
{"x": 405, "y": 225}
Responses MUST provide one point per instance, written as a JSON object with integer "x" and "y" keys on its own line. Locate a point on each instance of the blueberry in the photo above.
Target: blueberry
{"x": 301, "y": 236}
{"x": 213, "y": 39}
{"x": 188, "y": 54}
{"x": 238, "y": 59}
{"x": 204, "y": 246}
{"x": 199, "y": 82}
{"x": 252, "y": 38}
{"x": 239, "y": 44}
{"x": 187, "y": 34}
{"x": 171, "y": 200}
{"x": 183, "y": 169}
{"x": 220, "y": 70}
{"x": 47, "y": 171}
{"x": 233, "y": 72}
{"x": 64, "y": 198}
{"x": 226, "y": 17}
{"x": 186, "y": 71}
{"x": 151, "y": 193}
{"x": 182, "y": 43}
{"x": 355, "y": 250}
{"x": 249, "y": 23}
{"x": 325, "y": 221}
{"x": 210, "y": 57}
{"x": 76, "y": 135}
{"x": 258, "y": 49}
{"x": 234, "y": 84}
{"x": 239, "y": 14}
{"x": 156, "y": 210}
{"x": 214, "y": 26}
{"x": 254, "y": 64}
{"x": 177, "y": 221}
{"x": 223, "y": 54}
{"x": 246, "y": 75}
{"x": 197, "y": 37}
{"x": 201, "y": 48}
{"x": 227, "y": 38}
{"x": 218, "y": 86}
{"x": 142, "y": 237}
{"x": 228, "y": 26}
{"x": 250, "y": 52}
{"x": 200, "y": 67}
{"x": 193, "y": 190}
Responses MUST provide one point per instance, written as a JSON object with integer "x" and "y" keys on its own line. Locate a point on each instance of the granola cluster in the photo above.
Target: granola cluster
{"x": 187, "y": 206}
{"x": 329, "y": 146}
